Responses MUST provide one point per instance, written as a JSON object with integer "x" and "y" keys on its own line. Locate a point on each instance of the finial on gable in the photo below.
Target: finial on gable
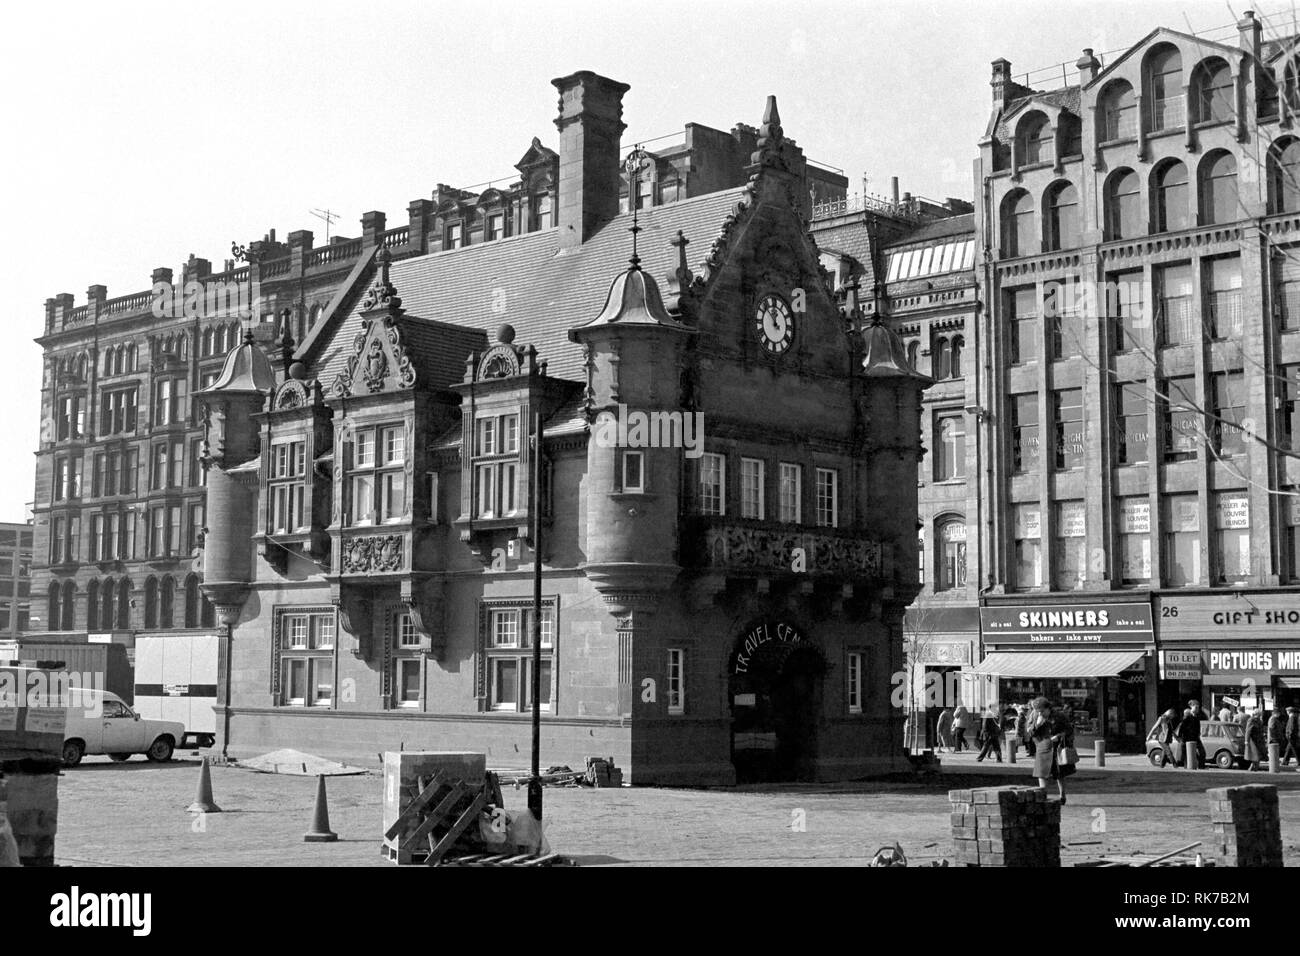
{"x": 382, "y": 293}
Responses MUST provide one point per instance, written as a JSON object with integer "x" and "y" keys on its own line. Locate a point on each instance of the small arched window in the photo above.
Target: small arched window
{"x": 940, "y": 360}
{"x": 207, "y": 613}
{"x": 1284, "y": 176}
{"x": 92, "y": 605}
{"x": 151, "y": 602}
{"x": 192, "y": 601}
{"x": 1062, "y": 216}
{"x": 166, "y": 601}
{"x": 1165, "y": 88}
{"x": 1173, "y": 205}
{"x": 209, "y": 339}
{"x": 1215, "y": 92}
{"x": 55, "y": 609}
{"x": 1291, "y": 85}
{"x": 1034, "y": 140}
{"x": 1018, "y": 237}
{"x": 913, "y": 350}
{"x": 130, "y": 358}
{"x": 1123, "y": 205}
{"x": 69, "y": 601}
{"x": 108, "y": 362}
{"x": 124, "y": 603}
{"x": 950, "y": 539}
{"x": 106, "y": 606}
{"x": 958, "y": 343}
{"x": 1219, "y": 189}
{"x": 1118, "y": 114}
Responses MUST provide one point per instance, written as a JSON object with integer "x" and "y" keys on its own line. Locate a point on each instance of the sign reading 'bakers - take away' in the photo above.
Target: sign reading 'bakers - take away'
{"x": 1067, "y": 625}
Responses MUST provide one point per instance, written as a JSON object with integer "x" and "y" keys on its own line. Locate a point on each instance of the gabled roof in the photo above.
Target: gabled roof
{"x": 530, "y": 283}
{"x": 1279, "y": 46}
{"x": 1161, "y": 32}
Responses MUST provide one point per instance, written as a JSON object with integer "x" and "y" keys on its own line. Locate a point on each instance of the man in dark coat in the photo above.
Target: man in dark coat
{"x": 1256, "y": 745}
{"x": 1292, "y": 735}
{"x": 1189, "y": 734}
{"x": 1277, "y": 731}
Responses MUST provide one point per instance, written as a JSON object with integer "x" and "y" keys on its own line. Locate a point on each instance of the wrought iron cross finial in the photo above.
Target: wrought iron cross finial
{"x": 636, "y": 160}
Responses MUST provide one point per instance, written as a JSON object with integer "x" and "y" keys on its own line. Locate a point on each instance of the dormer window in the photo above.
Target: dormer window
{"x": 378, "y": 479}
{"x": 454, "y": 236}
{"x": 495, "y": 227}
{"x": 541, "y": 206}
{"x": 496, "y": 466}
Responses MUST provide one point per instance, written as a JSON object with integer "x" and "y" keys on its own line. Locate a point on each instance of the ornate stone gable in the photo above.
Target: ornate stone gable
{"x": 379, "y": 360}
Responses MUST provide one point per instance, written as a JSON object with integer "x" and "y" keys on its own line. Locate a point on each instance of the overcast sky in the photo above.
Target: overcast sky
{"x": 139, "y": 133}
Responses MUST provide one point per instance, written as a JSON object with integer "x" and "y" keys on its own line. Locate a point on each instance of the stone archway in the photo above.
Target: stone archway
{"x": 775, "y": 690}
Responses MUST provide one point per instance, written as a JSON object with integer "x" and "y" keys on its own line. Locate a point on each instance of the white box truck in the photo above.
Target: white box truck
{"x": 176, "y": 679}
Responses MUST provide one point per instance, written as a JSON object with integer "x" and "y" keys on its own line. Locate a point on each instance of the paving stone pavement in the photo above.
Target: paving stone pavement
{"x": 133, "y": 814}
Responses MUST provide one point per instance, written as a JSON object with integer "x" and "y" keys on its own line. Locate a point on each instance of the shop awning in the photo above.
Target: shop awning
{"x": 1057, "y": 664}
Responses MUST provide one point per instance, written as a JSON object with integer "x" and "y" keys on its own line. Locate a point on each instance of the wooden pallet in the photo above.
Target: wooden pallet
{"x": 437, "y": 816}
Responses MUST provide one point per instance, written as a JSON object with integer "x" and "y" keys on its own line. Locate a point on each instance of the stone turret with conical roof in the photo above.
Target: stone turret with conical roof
{"x": 634, "y": 353}
{"x": 231, "y": 446}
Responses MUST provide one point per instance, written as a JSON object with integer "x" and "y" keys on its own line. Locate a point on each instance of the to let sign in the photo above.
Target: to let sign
{"x": 1067, "y": 624}
{"x": 1180, "y": 665}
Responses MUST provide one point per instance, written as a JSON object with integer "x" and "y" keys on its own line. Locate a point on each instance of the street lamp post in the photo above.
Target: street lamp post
{"x": 535, "y": 783}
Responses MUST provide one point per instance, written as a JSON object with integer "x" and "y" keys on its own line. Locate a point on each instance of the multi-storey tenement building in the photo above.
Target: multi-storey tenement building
{"x": 1136, "y": 249}
{"x": 15, "y": 579}
{"x": 119, "y": 500}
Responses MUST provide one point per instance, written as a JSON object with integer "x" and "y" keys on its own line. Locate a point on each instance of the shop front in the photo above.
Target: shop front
{"x": 941, "y": 644}
{"x": 1235, "y": 648}
{"x": 1096, "y": 660}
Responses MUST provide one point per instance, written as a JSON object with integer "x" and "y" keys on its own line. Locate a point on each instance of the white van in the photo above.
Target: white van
{"x": 101, "y": 723}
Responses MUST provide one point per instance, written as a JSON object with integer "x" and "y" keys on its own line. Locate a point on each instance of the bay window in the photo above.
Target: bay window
{"x": 496, "y": 466}
{"x": 287, "y": 488}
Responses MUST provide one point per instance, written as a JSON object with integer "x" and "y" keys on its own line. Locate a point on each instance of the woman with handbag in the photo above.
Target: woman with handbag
{"x": 1054, "y": 754}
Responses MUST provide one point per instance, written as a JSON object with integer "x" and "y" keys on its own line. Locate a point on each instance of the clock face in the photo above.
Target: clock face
{"x": 775, "y": 324}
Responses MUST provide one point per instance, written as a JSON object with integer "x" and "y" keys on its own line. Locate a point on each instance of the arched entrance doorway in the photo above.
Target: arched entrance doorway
{"x": 775, "y": 689}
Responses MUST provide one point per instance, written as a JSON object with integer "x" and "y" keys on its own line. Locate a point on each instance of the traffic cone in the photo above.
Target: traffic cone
{"x": 203, "y": 796}
{"x": 320, "y": 831}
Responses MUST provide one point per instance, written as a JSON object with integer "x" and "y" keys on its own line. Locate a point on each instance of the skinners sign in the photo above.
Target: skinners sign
{"x": 1067, "y": 624}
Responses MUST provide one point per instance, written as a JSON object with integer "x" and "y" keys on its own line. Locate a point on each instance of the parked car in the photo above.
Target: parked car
{"x": 1224, "y": 743}
{"x": 101, "y": 723}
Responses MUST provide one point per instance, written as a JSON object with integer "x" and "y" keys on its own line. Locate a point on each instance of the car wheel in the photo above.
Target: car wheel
{"x": 1157, "y": 757}
{"x": 1225, "y": 760}
{"x": 160, "y": 751}
{"x": 120, "y": 757}
{"x": 72, "y": 752}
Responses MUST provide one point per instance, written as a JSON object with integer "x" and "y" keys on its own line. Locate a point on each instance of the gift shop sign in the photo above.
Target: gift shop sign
{"x": 1067, "y": 624}
{"x": 1219, "y": 617}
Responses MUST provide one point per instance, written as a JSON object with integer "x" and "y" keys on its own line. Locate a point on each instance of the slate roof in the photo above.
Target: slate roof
{"x": 528, "y": 282}
{"x": 939, "y": 229}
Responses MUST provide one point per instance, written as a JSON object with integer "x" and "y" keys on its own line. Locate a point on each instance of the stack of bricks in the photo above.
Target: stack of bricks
{"x": 32, "y": 808}
{"x": 1247, "y": 826}
{"x": 1005, "y": 826}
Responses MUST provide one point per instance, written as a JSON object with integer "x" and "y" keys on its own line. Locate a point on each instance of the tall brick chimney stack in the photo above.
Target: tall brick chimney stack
{"x": 1249, "y": 30}
{"x": 590, "y": 124}
{"x": 1001, "y": 81}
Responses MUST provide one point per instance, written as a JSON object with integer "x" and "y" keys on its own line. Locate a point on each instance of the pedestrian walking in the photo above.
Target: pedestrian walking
{"x": 1225, "y": 713}
{"x": 1188, "y": 734}
{"x": 1276, "y": 732}
{"x": 943, "y": 729}
{"x": 1256, "y": 745}
{"x": 1051, "y": 735}
{"x": 1163, "y": 733}
{"x": 992, "y": 731}
{"x": 1022, "y": 726}
{"x": 1292, "y": 735}
{"x": 961, "y": 722}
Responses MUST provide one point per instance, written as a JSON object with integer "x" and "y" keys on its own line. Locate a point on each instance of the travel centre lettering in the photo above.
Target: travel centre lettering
{"x": 1064, "y": 619}
{"x": 759, "y": 636}
{"x": 1254, "y": 660}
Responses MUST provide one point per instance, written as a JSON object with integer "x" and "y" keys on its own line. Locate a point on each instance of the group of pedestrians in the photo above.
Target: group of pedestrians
{"x": 1046, "y": 733}
{"x": 1281, "y": 728}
